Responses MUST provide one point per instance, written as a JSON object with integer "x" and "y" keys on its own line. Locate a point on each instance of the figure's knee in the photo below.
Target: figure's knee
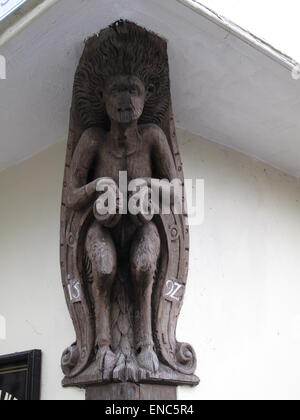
{"x": 101, "y": 252}
{"x": 145, "y": 252}
{"x": 103, "y": 260}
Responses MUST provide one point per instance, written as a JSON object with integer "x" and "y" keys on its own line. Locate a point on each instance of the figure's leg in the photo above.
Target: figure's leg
{"x": 102, "y": 254}
{"x": 144, "y": 258}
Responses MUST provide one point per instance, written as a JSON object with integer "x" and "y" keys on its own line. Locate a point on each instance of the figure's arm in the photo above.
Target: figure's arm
{"x": 80, "y": 193}
{"x": 162, "y": 157}
{"x": 165, "y": 168}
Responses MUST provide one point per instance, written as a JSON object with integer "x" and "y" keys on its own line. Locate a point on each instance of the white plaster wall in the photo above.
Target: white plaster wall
{"x": 242, "y": 309}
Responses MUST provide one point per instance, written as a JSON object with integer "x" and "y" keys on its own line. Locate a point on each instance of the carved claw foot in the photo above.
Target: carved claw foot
{"x": 106, "y": 361}
{"x": 126, "y": 371}
{"x": 148, "y": 359}
{"x": 119, "y": 368}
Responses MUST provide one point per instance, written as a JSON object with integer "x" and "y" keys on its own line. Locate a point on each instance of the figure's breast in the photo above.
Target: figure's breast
{"x": 111, "y": 162}
{"x": 139, "y": 165}
{"x": 108, "y": 166}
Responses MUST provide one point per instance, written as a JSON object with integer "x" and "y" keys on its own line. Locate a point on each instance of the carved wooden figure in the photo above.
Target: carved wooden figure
{"x": 124, "y": 275}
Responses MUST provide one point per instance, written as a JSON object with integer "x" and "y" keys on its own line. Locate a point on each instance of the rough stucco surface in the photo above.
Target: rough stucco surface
{"x": 242, "y": 305}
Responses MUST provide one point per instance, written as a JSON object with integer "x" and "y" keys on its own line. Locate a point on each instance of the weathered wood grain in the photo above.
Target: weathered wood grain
{"x": 124, "y": 276}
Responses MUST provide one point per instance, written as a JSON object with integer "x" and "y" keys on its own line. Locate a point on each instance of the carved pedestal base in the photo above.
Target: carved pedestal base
{"x": 131, "y": 392}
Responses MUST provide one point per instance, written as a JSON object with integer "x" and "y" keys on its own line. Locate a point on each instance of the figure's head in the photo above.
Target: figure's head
{"x": 124, "y": 98}
{"x": 102, "y": 85}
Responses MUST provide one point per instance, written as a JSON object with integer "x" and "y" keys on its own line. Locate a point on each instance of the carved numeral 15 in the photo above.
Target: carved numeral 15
{"x": 74, "y": 291}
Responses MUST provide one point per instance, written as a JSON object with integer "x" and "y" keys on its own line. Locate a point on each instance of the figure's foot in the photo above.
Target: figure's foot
{"x": 148, "y": 360}
{"x": 126, "y": 370}
{"x": 106, "y": 360}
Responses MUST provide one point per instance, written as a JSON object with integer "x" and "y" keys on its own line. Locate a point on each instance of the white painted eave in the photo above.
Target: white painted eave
{"x": 228, "y": 86}
{"x": 241, "y": 33}
{"x": 17, "y": 21}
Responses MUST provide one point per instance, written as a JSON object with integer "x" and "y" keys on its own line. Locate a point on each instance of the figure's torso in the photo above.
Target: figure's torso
{"x": 133, "y": 157}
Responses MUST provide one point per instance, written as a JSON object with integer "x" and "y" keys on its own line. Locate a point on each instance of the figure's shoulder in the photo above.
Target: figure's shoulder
{"x": 152, "y": 132}
{"x": 93, "y": 136}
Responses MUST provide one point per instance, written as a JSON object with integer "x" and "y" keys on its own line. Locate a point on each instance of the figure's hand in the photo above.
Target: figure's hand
{"x": 102, "y": 184}
{"x": 91, "y": 188}
{"x": 81, "y": 197}
{"x": 140, "y": 203}
{"x": 106, "y": 207}
{"x": 98, "y": 185}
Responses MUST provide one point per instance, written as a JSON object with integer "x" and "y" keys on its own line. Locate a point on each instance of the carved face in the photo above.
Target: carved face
{"x": 124, "y": 98}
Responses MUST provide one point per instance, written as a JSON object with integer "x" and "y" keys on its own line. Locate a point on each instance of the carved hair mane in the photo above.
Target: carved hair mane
{"x": 123, "y": 48}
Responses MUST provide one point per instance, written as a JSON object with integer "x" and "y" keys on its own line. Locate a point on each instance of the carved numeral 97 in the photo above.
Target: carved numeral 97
{"x": 173, "y": 289}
